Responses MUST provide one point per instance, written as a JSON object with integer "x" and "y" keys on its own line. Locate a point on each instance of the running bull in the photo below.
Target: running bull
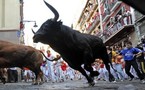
{"x": 76, "y": 48}
{"x": 15, "y": 55}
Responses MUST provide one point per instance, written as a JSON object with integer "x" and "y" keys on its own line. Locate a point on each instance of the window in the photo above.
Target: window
{"x": 122, "y": 10}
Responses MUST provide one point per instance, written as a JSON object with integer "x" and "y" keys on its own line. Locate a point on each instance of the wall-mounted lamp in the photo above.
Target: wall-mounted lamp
{"x": 35, "y": 25}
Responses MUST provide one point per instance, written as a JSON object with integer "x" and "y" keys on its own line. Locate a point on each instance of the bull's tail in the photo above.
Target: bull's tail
{"x": 55, "y": 59}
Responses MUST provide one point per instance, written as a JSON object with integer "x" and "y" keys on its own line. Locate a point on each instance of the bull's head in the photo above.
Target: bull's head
{"x": 48, "y": 27}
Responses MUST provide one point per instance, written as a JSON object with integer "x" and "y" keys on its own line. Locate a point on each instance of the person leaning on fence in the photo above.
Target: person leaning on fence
{"x": 129, "y": 54}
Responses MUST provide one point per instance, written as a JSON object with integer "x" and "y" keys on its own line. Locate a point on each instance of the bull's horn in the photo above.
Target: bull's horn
{"x": 56, "y": 15}
{"x": 33, "y": 31}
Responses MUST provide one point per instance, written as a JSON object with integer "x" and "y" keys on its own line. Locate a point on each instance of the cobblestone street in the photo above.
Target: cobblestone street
{"x": 75, "y": 85}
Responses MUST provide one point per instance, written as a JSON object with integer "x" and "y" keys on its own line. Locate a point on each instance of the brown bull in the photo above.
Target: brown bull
{"x": 15, "y": 55}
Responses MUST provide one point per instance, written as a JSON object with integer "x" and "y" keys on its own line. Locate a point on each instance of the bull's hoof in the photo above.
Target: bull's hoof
{"x": 35, "y": 83}
{"x": 111, "y": 78}
{"x": 94, "y": 73}
{"x": 3, "y": 80}
{"x": 92, "y": 84}
{"x": 41, "y": 83}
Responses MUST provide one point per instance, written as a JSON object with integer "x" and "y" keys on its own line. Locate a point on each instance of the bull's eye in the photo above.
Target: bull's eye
{"x": 45, "y": 26}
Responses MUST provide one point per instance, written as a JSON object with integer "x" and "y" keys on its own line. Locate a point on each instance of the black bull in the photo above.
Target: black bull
{"x": 75, "y": 48}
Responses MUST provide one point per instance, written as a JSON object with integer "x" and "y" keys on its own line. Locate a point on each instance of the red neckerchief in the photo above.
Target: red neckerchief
{"x": 48, "y": 55}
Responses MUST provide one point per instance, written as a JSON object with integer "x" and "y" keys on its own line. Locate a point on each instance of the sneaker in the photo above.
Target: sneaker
{"x": 114, "y": 81}
{"x": 95, "y": 81}
{"x": 142, "y": 81}
{"x": 122, "y": 80}
{"x": 131, "y": 79}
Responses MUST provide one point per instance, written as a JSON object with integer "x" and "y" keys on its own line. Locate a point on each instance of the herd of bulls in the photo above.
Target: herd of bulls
{"x": 75, "y": 48}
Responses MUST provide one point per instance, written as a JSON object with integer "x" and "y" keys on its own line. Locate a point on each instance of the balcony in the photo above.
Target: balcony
{"x": 91, "y": 11}
{"x": 82, "y": 21}
{"x": 102, "y": 1}
{"x": 114, "y": 5}
{"x": 99, "y": 34}
{"x": 116, "y": 32}
{"x": 93, "y": 25}
{"x": 106, "y": 15}
{"x": 116, "y": 36}
{"x": 141, "y": 19}
{"x": 89, "y": 15}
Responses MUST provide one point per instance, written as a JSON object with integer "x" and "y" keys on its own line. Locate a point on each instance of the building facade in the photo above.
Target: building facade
{"x": 140, "y": 24}
{"x": 10, "y": 17}
{"x": 89, "y": 21}
{"x": 117, "y": 22}
{"x": 111, "y": 20}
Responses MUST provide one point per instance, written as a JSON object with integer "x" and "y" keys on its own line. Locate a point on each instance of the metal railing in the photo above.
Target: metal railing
{"x": 114, "y": 28}
{"x": 96, "y": 21}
